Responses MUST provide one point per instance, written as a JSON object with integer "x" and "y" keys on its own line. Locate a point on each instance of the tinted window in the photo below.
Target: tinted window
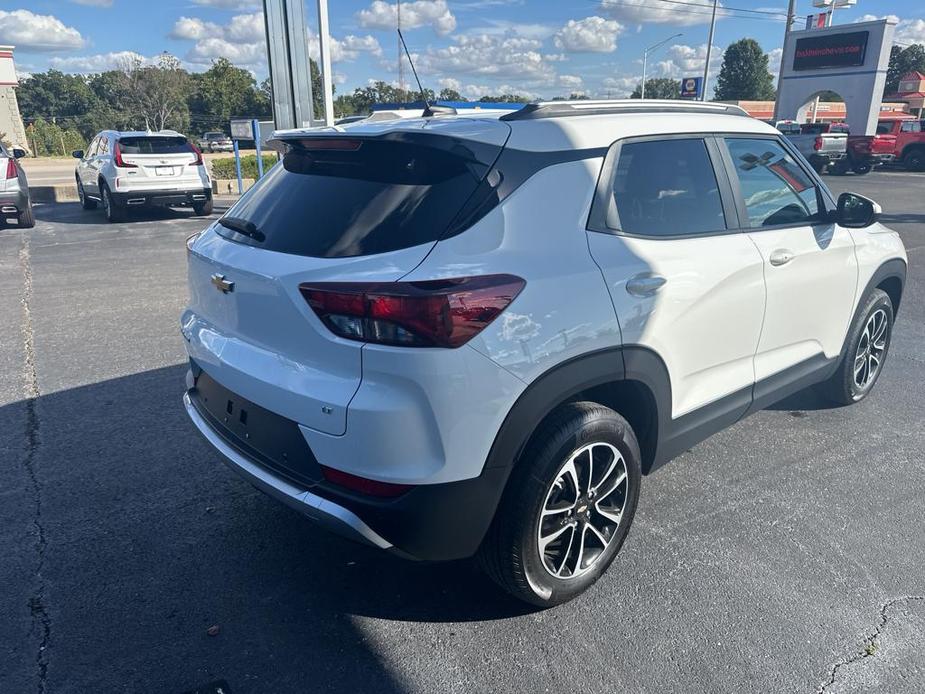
{"x": 913, "y": 126}
{"x": 155, "y": 145}
{"x": 665, "y": 188}
{"x": 774, "y": 187}
{"x": 360, "y": 197}
{"x": 884, "y": 128}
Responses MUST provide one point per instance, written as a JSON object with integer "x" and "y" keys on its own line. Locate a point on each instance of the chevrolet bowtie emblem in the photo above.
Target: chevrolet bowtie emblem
{"x": 222, "y": 284}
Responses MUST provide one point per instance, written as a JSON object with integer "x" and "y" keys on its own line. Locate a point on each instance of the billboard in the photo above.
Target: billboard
{"x": 830, "y": 50}
{"x": 691, "y": 87}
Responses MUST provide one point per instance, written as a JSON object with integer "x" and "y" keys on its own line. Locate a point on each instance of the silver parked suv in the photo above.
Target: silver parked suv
{"x": 124, "y": 170}
{"x": 473, "y": 335}
{"x": 14, "y": 189}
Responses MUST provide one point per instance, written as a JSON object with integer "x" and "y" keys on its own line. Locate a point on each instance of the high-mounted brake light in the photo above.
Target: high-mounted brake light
{"x": 11, "y": 171}
{"x": 363, "y": 485}
{"x": 337, "y": 143}
{"x": 435, "y": 313}
{"x": 117, "y": 158}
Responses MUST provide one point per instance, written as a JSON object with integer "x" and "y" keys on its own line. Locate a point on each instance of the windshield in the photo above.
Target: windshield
{"x": 333, "y": 197}
{"x": 155, "y": 145}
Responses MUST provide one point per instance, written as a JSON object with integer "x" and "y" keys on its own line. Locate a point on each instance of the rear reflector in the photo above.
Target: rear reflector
{"x": 436, "y": 313}
{"x": 363, "y": 485}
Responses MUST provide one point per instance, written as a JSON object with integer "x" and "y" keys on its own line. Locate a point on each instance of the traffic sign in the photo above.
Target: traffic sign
{"x": 691, "y": 87}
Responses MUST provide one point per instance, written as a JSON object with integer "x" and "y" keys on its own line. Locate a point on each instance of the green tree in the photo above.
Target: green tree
{"x": 447, "y": 94}
{"x": 223, "y": 92}
{"x": 55, "y": 97}
{"x": 508, "y": 99}
{"x": 51, "y": 140}
{"x": 744, "y": 74}
{"x": 902, "y": 62}
{"x": 158, "y": 93}
{"x": 659, "y": 88}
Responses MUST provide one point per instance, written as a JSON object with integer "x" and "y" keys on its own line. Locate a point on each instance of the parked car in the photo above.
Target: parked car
{"x": 904, "y": 139}
{"x": 125, "y": 170}
{"x": 868, "y": 151}
{"x": 216, "y": 141}
{"x": 823, "y": 144}
{"x": 15, "y": 200}
{"x": 473, "y": 335}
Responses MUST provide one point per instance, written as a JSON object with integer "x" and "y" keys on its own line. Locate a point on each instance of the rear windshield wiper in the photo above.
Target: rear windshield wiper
{"x": 242, "y": 226}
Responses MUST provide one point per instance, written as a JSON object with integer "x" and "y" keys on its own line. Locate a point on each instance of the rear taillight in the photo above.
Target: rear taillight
{"x": 817, "y": 144}
{"x": 198, "y": 154}
{"x": 435, "y": 313}
{"x": 363, "y": 485}
{"x": 11, "y": 170}
{"x": 117, "y": 158}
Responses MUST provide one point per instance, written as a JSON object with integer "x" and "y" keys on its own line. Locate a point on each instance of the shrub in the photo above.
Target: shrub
{"x": 224, "y": 168}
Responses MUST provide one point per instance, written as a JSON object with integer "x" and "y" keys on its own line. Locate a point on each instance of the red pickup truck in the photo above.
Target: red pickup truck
{"x": 901, "y": 140}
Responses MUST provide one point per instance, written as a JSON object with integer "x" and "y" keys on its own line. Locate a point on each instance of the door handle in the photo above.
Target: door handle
{"x": 781, "y": 257}
{"x": 644, "y": 285}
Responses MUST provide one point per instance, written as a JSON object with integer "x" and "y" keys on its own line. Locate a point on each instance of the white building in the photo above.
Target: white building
{"x": 11, "y": 126}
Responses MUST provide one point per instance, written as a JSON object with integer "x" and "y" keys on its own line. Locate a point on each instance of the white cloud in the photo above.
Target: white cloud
{"x": 194, "y": 29}
{"x": 38, "y": 32}
{"x": 774, "y": 58}
{"x": 247, "y": 27}
{"x": 99, "y": 62}
{"x": 907, "y": 30}
{"x": 688, "y": 61}
{"x": 619, "y": 87}
{"x": 572, "y": 82}
{"x": 346, "y": 49}
{"x": 419, "y": 13}
{"x": 504, "y": 27}
{"x": 229, "y": 4}
{"x": 659, "y": 11}
{"x": 589, "y": 35}
{"x": 208, "y": 49}
{"x": 491, "y": 56}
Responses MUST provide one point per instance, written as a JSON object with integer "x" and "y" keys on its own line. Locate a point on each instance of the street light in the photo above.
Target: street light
{"x": 645, "y": 60}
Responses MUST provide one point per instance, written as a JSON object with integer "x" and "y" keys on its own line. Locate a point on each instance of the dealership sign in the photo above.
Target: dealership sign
{"x": 691, "y": 87}
{"x": 830, "y": 50}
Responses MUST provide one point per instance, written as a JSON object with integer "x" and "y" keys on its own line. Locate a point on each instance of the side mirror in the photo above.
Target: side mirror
{"x": 855, "y": 211}
{"x": 18, "y": 153}
{"x": 78, "y": 154}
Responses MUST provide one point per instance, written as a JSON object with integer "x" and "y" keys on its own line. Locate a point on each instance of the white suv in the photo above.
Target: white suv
{"x": 124, "y": 170}
{"x": 455, "y": 336}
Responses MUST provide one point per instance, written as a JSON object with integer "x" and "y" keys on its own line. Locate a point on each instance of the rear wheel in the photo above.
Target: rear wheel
{"x": 867, "y": 347}
{"x": 915, "y": 160}
{"x": 203, "y": 208}
{"x": 568, "y": 507}
{"x": 26, "y": 218}
{"x": 114, "y": 213}
{"x": 861, "y": 169}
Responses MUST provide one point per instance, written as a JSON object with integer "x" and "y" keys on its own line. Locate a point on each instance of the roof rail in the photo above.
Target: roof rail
{"x": 585, "y": 107}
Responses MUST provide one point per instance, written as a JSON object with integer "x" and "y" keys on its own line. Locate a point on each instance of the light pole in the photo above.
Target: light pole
{"x": 706, "y": 67}
{"x": 645, "y": 60}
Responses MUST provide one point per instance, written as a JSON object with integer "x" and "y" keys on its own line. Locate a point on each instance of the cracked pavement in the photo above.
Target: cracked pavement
{"x": 785, "y": 554}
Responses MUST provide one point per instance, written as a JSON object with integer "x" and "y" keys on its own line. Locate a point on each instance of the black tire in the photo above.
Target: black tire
{"x": 26, "y": 218}
{"x": 510, "y": 554}
{"x": 840, "y": 168}
{"x": 843, "y": 387}
{"x": 85, "y": 202}
{"x": 818, "y": 164}
{"x": 203, "y": 208}
{"x": 861, "y": 169}
{"x": 114, "y": 212}
{"x": 915, "y": 159}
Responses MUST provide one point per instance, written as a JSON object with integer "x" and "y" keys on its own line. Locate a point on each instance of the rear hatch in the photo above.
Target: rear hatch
{"x": 162, "y": 159}
{"x": 365, "y": 205}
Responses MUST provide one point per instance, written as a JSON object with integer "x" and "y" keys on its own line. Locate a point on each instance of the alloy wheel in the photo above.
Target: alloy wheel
{"x": 582, "y": 511}
{"x": 871, "y": 347}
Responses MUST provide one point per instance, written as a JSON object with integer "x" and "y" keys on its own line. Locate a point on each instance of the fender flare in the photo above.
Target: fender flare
{"x": 895, "y": 268}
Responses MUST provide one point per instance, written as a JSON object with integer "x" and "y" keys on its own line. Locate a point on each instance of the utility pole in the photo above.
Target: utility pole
{"x": 706, "y": 67}
{"x": 791, "y": 14}
{"x": 401, "y": 54}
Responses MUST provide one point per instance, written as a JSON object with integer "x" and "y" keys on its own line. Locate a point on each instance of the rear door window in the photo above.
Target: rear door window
{"x": 774, "y": 188}
{"x": 155, "y": 145}
{"x": 332, "y": 197}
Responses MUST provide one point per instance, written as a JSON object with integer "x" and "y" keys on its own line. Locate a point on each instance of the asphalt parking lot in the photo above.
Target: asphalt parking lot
{"x": 785, "y": 554}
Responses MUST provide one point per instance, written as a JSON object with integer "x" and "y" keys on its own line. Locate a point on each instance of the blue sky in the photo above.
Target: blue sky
{"x": 533, "y": 47}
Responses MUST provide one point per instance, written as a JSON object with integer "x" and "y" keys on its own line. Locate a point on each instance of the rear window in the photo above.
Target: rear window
{"x": 155, "y": 145}
{"x": 334, "y": 198}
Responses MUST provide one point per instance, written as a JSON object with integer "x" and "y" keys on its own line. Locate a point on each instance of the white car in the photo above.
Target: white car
{"x": 458, "y": 336}
{"x": 125, "y": 170}
{"x": 216, "y": 141}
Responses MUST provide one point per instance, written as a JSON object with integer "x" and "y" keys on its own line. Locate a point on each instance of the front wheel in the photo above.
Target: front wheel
{"x": 85, "y": 202}
{"x": 867, "y": 347}
{"x": 568, "y": 506}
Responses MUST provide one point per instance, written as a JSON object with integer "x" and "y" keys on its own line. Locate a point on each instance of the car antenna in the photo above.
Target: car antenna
{"x": 429, "y": 110}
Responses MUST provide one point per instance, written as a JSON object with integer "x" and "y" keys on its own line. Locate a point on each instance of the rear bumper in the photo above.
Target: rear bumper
{"x": 873, "y": 159}
{"x": 162, "y": 197}
{"x": 434, "y": 522}
{"x": 13, "y": 202}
